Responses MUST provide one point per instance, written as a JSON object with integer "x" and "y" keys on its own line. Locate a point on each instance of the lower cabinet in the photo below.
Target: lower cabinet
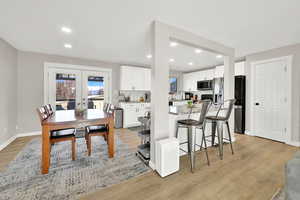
{"x": 131, "y": 112}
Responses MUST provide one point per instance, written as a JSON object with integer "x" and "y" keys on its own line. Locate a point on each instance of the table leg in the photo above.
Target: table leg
{"x": 110, "y": 139}
{"x": 45, "y": 150}
{"x": 190, "y": 147}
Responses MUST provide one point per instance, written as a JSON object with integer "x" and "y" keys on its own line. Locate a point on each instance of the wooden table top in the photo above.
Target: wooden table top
{"x": 68, "y": 116}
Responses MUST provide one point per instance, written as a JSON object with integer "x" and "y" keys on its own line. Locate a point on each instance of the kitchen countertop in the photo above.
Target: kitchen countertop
{"x": 134, "y": 102}
{"x": 184, "y": 109}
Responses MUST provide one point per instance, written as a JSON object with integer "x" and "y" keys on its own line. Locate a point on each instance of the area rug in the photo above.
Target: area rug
{"x": 279, "y": 195}
{"x": 68, "y": 179}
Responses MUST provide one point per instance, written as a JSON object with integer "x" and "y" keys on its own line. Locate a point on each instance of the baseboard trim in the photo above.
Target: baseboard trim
{"x": 248, "y": 132}
{"x": 151, "y": 164}
{"x": 293, "y": 143}
{"x": 11, "y": 139}
{"x": 28, "y": 134}
{"x": 7, "y": 142}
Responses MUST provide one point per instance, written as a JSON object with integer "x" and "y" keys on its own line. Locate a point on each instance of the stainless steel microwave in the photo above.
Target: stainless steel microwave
{"x": 205, "y": 85}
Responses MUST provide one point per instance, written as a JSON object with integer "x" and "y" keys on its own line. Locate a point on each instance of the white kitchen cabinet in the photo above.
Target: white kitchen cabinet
{"x": 189, "y": 82}
{"x": 131, "y": 112}
{"x": 239, "y": 69}
{"x": 219, "y": 72}
{"x": 135, "y": 78}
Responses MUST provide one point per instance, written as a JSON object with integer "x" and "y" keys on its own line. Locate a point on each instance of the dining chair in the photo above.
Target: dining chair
{"x": 60, "y": 135}
{"x": 97, "y": 130}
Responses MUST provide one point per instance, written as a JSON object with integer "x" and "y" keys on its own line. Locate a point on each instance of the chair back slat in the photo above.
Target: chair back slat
{"x": 43, "y": 114}
{"x": 105, "y": 106}
{"x": 49, "y": 109}
{"x": 205, "y": 107}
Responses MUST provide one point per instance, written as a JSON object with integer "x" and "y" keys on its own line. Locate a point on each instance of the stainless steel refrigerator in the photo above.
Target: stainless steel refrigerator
{"x": 218, "y": 90}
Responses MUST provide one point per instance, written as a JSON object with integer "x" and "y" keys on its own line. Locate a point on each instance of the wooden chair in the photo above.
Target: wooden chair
{"x": 99, "y": 130}
{"x": 58, "y": 135}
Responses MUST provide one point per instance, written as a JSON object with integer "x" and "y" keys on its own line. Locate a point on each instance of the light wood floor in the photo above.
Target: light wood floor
{"x": 256, "y": 171}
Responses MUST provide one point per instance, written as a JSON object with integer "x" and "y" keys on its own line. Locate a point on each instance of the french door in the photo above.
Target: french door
{"x": 71, "y": 88}
{"x": 270, "y": 100}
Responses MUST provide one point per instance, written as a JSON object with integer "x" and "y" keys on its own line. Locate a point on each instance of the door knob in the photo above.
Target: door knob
{"x": 257, "y": 104}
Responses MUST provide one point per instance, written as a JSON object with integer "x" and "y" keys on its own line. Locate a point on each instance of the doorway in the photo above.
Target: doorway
{"x": 68, "y": 88}
{"x": 271, "y": 102}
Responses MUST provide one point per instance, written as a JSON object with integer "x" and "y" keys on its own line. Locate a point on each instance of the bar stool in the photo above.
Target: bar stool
{"x": 189, "y": 124}
{"x": 217, "y": 123}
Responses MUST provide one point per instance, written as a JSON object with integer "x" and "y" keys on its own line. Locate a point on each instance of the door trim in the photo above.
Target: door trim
{"x": 49, "y": 65}
{"x": 288, "y": 60}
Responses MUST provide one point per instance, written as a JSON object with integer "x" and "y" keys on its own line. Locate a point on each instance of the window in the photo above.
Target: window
{"x": 173, "y": 84}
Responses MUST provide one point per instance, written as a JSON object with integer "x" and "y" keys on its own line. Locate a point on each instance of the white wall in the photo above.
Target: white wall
{"x": 8, "y": 90}
{"x": 31, "y": 84}
{"x": 274, "y": 53}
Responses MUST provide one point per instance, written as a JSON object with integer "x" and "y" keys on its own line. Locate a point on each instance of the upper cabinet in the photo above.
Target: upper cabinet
{"x": 239, "y": 69}
{"x": 190, "y": 79}
{"x": 135, "y": 78}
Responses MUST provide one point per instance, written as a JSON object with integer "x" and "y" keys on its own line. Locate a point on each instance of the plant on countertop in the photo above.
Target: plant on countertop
{"x": 190, "y": 104}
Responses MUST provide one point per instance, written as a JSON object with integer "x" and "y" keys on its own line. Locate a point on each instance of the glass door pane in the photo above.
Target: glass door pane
{"x": 65, "y": 89}
{"x": 94, "y": 90}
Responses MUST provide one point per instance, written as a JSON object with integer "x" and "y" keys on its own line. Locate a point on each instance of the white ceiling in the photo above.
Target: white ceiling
{"x": 183, "y": 55}
{"x": 119, "y": 30}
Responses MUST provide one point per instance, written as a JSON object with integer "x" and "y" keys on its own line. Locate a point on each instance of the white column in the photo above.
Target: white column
{"x": 229, "y": 86}
{"x": 159, "y": 87}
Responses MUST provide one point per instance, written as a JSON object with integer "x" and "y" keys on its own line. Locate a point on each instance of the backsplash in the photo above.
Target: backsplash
{"x": 134, "y": 96}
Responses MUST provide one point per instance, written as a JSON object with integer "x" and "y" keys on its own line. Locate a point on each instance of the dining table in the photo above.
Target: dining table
{"x": 64, "y": 119}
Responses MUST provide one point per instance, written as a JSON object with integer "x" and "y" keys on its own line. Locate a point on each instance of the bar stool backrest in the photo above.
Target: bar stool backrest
{"x": 205, "y": 107}
{"x": 230, "y": 103}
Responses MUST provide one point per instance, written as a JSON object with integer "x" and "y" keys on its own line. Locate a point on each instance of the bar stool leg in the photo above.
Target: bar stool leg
{"x": 190, "y": 147}
{"x": 220, "y": 138}
{"x": 229, "y": 135}
{"x": 205, "y": 145}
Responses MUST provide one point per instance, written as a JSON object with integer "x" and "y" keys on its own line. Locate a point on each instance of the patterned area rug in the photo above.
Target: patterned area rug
{"x": 279, "y": 195}
{"x": 68, "y": 179}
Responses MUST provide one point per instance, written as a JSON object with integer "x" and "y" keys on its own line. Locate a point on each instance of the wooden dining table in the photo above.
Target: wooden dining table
{"x": 68, "y": 119}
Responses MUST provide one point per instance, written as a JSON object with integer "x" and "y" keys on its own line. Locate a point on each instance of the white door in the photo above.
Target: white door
{"x": 70, "y": 89}
{"x": 270, "y": 100}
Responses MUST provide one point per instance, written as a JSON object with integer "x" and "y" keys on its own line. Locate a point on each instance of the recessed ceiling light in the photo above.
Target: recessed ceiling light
{"x": 219, "y": 56}
{"x": 173, "y": 44}
{"x": 198, "y": 50}
{"x": 66, "y": 29}
{"x": 149, "y": 56}
{"x": 191, "y": 63}
{"x": 171, "y": 60}
{"x": 68, "y": 46}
